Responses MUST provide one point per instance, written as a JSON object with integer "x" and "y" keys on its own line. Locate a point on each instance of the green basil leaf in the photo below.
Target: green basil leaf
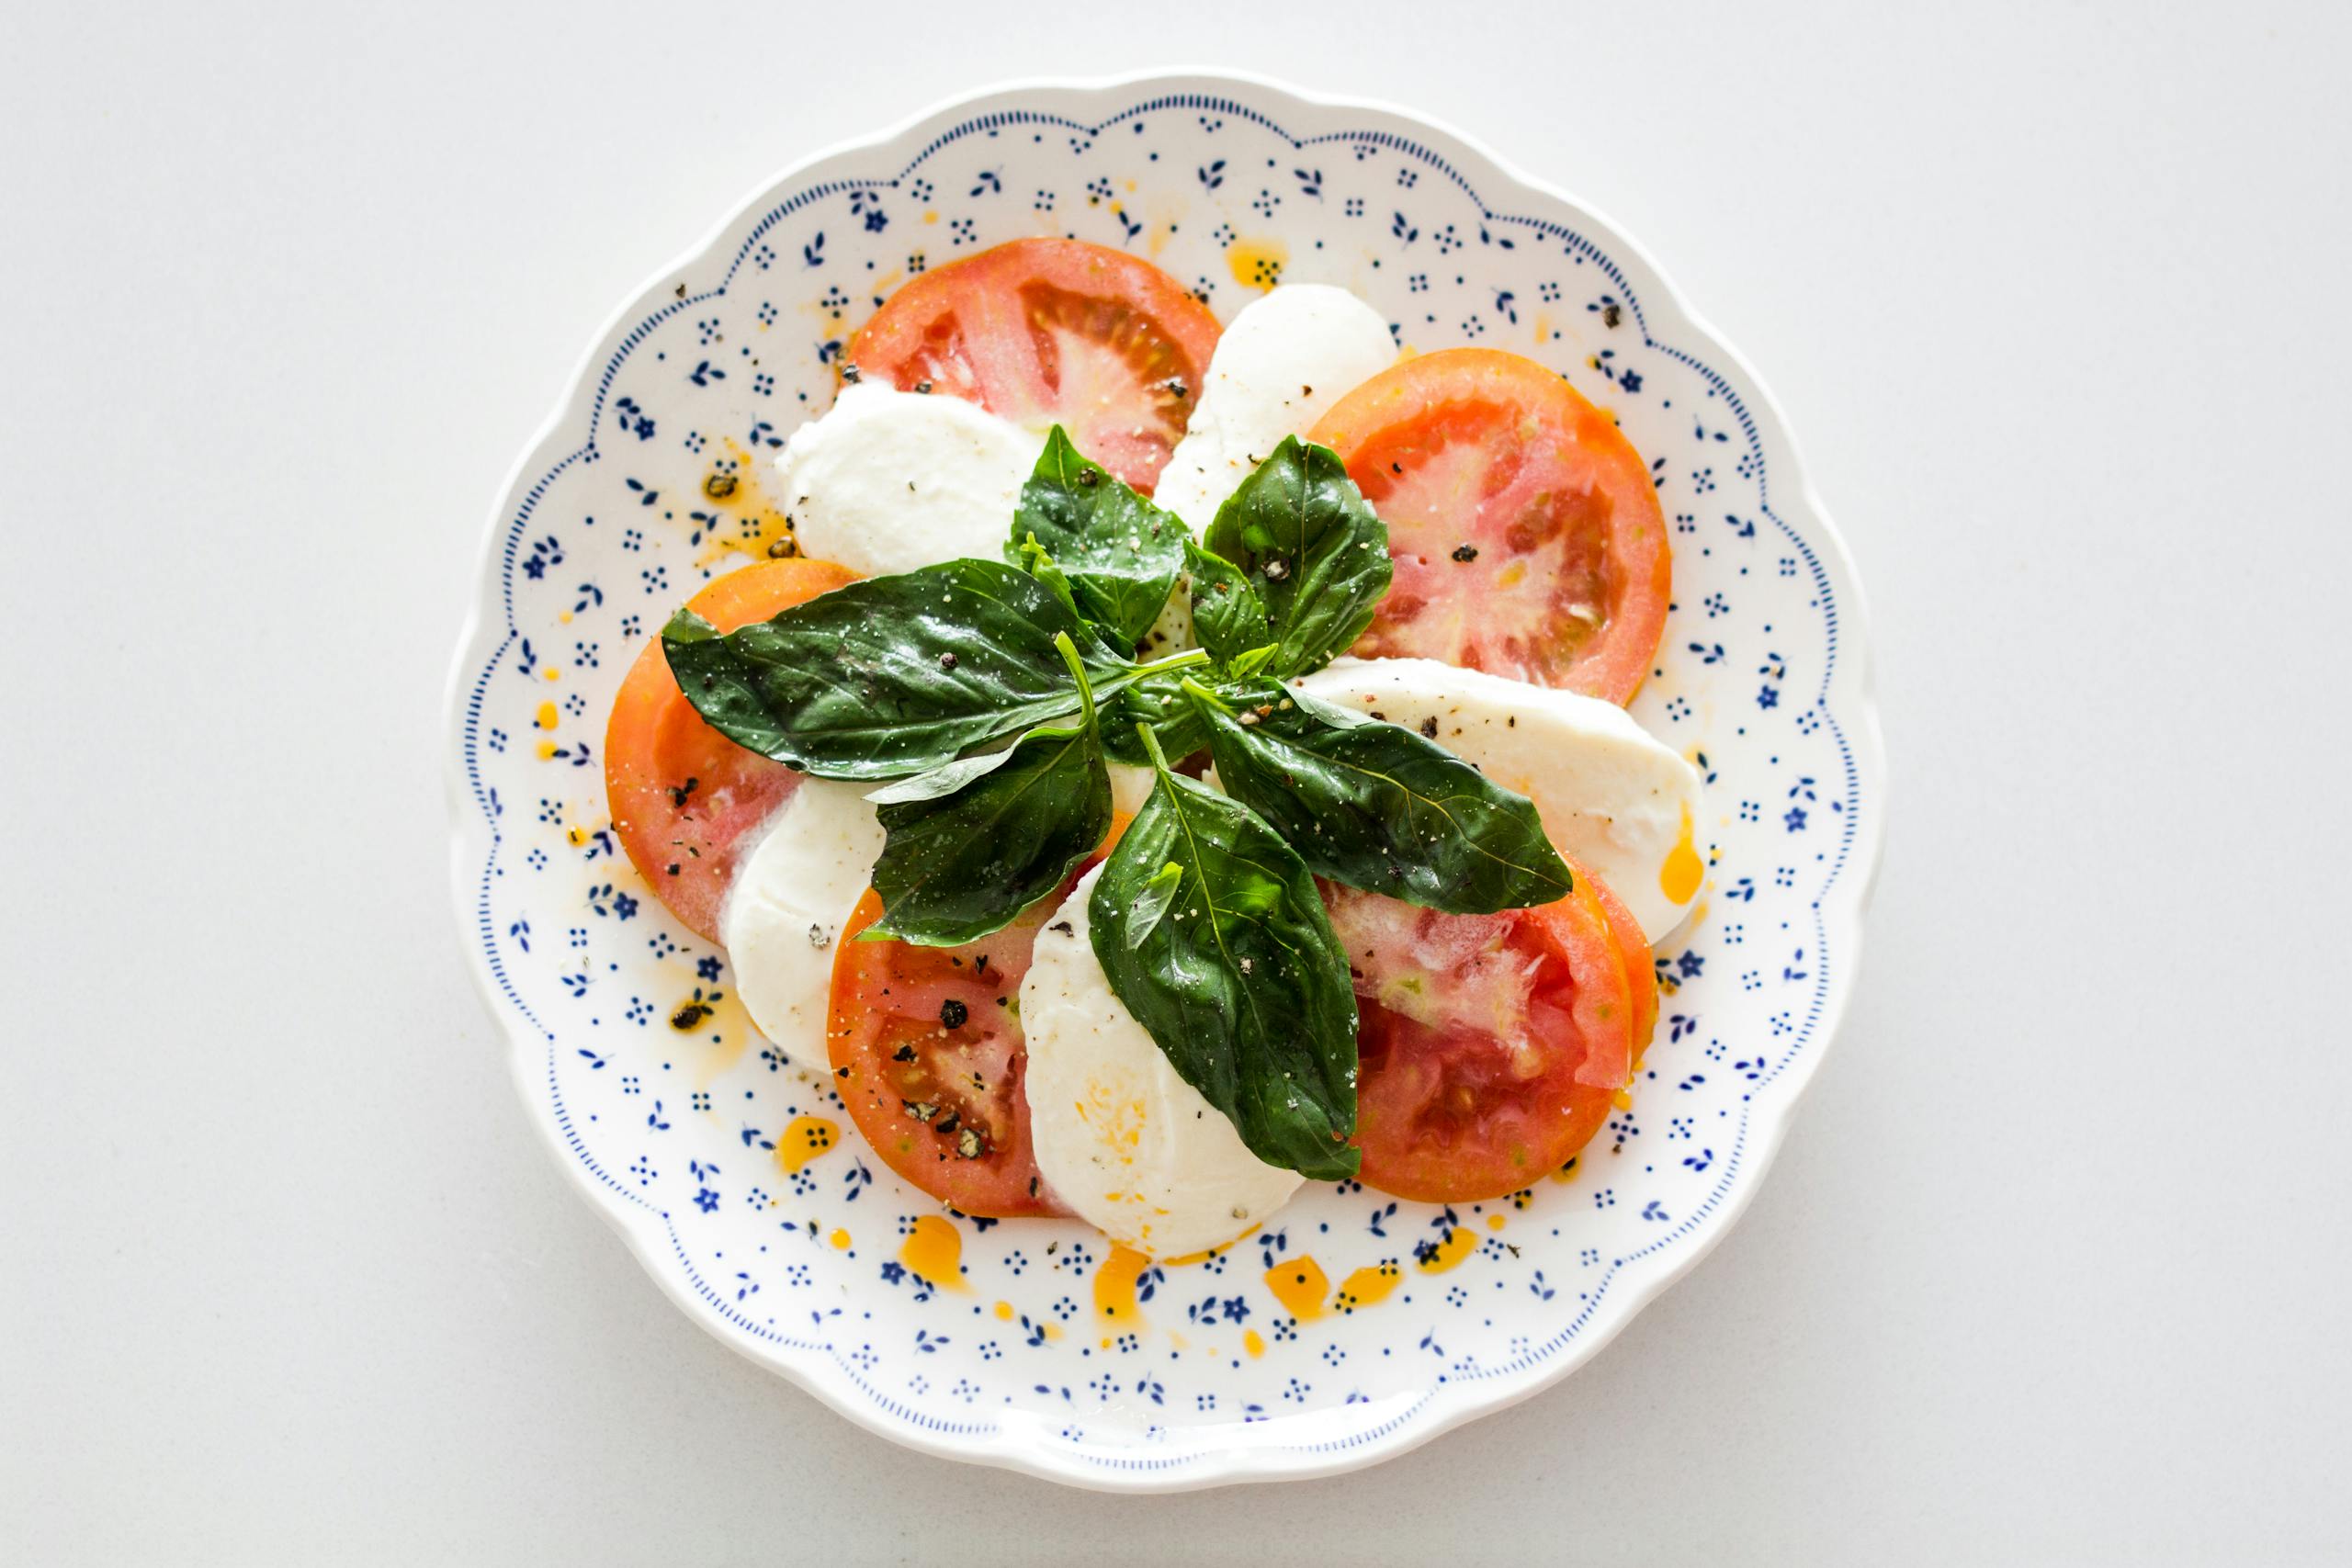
{"x": 1376, "y": 806}
{"x": 1236, "y": 976}
{"x": 958, "y": 865}
{"x": 1156, "y": 701}
{"x": 892, "y": 675}
{"x": 1228, "y": 615}
{"x": 1122, "y": 553}
{"x": 1312, "y": 548}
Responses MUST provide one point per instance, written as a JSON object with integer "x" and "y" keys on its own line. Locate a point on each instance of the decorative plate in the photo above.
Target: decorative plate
{"x": 1351, "y": 1327}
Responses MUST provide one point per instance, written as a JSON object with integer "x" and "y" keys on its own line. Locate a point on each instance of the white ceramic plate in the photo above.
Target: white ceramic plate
{"x": 1352, "y": 1327}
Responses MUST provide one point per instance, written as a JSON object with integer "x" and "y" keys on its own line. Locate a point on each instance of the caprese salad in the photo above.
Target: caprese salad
{"x": 1163, "y": 765}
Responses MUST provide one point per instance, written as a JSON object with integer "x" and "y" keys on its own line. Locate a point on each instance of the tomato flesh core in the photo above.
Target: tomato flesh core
{"x": 1489, "y": 1046}
{"x": 1043, "y": 331}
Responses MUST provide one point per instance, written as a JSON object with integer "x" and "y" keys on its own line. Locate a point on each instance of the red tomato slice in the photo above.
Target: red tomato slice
{"x": 1490, "y": 1045}
{"x": 1640, "y": 973}
{"x": 683, "y": 796}
{"x": 1525, "y": 529}
{"x": 1053, "y": 332}
{"x": 928, "y": 1056}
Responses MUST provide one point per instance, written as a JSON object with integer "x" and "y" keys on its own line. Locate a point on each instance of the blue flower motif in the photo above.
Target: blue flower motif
{"x": 625, "y": 907}
{"x": 1795, "y": 818}
{"x": 1631, "y": 380}
{"x": 706, "y": 1201}
{"x": 893, "y": 1272}
{"x": 707, "y": 968}
{"x": 1689, "y": 965}
{"x": 1769, "y": 697}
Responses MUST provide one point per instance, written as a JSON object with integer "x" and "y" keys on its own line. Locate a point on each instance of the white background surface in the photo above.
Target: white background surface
{"x": 2054, "y": 1265}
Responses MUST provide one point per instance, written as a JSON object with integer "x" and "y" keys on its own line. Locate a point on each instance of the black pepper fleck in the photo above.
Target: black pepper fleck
{"x": 1466, "y": 553}
{"x": 953, "y": 1013}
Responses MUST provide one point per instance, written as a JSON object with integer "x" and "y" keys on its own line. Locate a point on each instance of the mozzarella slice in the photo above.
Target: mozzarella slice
{"x": 1623, "y": 803}
{"x": 1284, "y": 361}
{"x": 782, "y": 916}
{"x": 888, "y": 482}
{"x": 1123, "y": 1141}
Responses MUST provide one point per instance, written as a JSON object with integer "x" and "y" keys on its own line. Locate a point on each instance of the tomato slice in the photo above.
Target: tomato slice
{"x": 1633, "y": 949}
{"x": 682, "y": 796}
{"x": 1044, "y": 331}
{"x": 1525, "y": 529}
{"x": 1490, "y": 1046}
{"x": 928, "y": 1056}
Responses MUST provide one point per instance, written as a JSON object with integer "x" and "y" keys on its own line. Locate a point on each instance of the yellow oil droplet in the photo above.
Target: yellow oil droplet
{"x": 546, "y": 750}
{"x": 552, "y": 673}
{"x": 1257, "y": 263}
{"x": 1299, "y": 1284}
{"x": 1459, "y": 1243}
{"x": 1569, "y": 1171}
{"x": 547, "y": 716}
{"x": 803, "y": 1139}
{"x": 933, "y": 1250}
{"x": 931, "y": 217}
{"x": 1679, "y": 877}
{"x": 1052, "y": 1331}
{"x": 1368, "y": 1286}
{"x": 1621, "y": 1099}
{"x": 1542, "y": 327}
{"x": 575, "y": 835}
{"x": 1494, "y": 1222}
{"x": 1253, "y": 1342}
{"x": 1005, "y": 1311}
{"x": 840, "y": 1239}
{"x": 1114, "y": 1288}
{"x": 564, "y": 616}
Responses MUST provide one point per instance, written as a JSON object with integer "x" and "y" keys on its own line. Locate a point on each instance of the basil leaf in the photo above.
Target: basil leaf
{"x": 1238, "y": 975}
{"x": 958, "y": 865}
{"x": 1122, "y": 553}
{"x": 1375, "y": 805}
{"x": 1312, "y": 548}
{"x": 892, "y": 675}
{"x": 1228, "y": 615}
{"x": 1157, "y": 702}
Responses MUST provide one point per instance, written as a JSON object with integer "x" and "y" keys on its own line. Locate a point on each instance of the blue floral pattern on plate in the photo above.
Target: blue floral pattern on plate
{"x": 1352, "y": 1327}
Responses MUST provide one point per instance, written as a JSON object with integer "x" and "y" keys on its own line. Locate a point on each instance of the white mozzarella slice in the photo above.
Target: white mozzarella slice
{"x": 888, "y": 482}
{"x": 783, "y": 917}
{"x": 1282, "y": 363}
{"x": 1125, "y": 1142}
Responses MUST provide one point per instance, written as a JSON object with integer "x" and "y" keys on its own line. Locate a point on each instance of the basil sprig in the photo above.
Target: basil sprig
{"x": 962, "y": 861}
{"x": 1120, "y": 553}
{"x": 892, "y": 675}
{"x": 994, "y": 694}
{"x": 1211, "y": 934}
{"x": 1374, "y": 804}
{"x": 1309, "y": 550}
